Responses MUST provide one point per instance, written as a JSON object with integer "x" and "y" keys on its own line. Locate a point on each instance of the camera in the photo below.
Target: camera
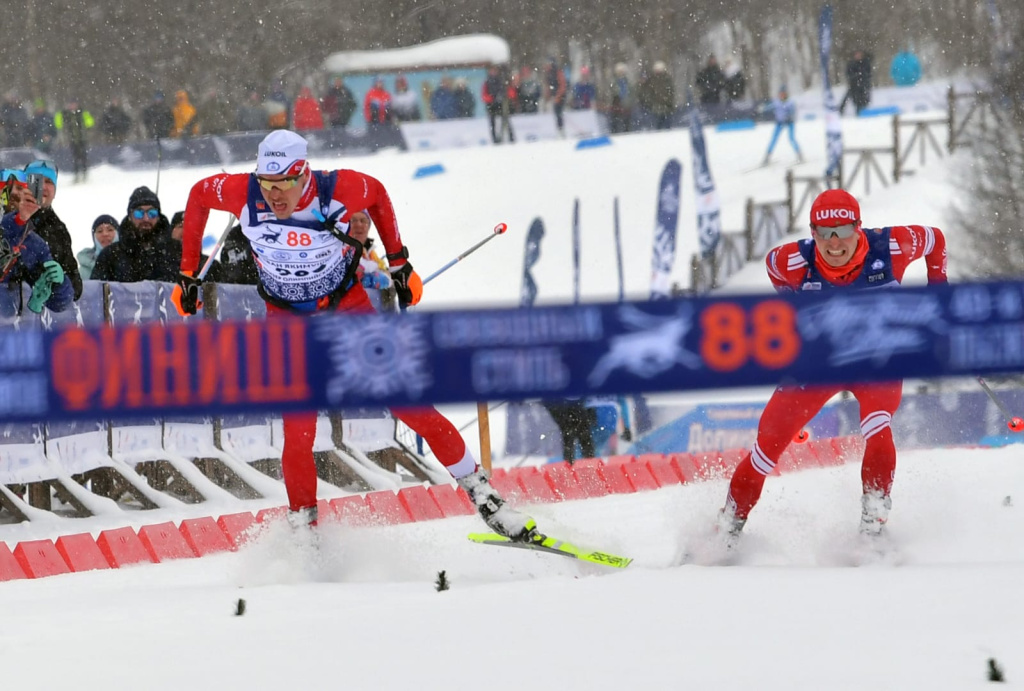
{"x": 35, "y": 185}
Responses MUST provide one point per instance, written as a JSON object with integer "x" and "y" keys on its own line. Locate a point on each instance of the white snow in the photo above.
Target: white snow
{"x": 471, "y": 49}
{"x": 794, "y": 612}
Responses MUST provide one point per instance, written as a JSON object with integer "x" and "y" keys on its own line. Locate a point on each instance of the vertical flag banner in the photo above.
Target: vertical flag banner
{"x": 665, "y": 232}
{"x": 618, "y": 253}
{"x": 709, "y": 222}
{"x": 833, "y": 126}
{"x": 576, "y": 251}
{"x": 533, "y": 237}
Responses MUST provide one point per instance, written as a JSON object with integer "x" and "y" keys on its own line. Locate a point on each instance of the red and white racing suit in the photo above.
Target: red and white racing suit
{"x": 880, "y": 260}
{"x": 305, "y": 268}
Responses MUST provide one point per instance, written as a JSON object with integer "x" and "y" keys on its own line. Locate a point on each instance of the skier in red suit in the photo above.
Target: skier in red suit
{"x": 839, "y": 255}
{"x": 297, "y": 223}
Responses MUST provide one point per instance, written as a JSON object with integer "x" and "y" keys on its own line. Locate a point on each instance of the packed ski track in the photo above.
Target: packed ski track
{"x": 800, "y": 604}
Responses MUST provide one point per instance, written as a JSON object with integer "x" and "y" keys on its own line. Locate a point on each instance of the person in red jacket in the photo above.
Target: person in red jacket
{"x": 839, "y": 255}
{"x": 377, "y": 104}
{"x": 297, "y": 223}
{"x": 306, "y": 113}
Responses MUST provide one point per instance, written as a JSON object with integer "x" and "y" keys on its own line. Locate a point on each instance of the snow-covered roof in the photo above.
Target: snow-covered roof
{"x": 474, "y": 49}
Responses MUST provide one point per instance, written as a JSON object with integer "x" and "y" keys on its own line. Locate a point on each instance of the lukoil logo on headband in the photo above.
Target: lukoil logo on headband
{"x": 834, "y": 214}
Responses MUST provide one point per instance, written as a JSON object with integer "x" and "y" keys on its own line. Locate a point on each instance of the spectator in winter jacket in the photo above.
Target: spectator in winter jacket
{"x": 494, "y": 94}
{"x": 710, "y": 82}
{"x": 145, "y": 250}
{"x": 186, "y": 122}
{"x": 41, "y": 128}
{"x": 858, "y": 77}
{"x": 47, "y": 225}
{"x": 584, "y": 92}
{"x": 405, "y": 104}
{"x": 15, "y": 121}
{"x": 659, "y": 96}
{"x": 214, "y": 114}
{"x": 278, "y": 106}
{"x": 104, "y": 233}
{"x": 74, "y": 121}
{"x": 252, "y": 116}
{"x": 306, "y": 113}
{"x": 115, "y": 123}
{"x": 157, "y": 118}
{"x": 553, "y": 91}
{"x": 529, "y": 93}
{"x": 338, "y": 104}
{"x": 26, "y": 258}
{"x": 620, "y": 108}
{"x": 442, "y": 101}
{"x": 465, "y": 104}
{"x": 735, "y": 83}
{"x": 177, "y": 225}
{"x": 377, "y": 104}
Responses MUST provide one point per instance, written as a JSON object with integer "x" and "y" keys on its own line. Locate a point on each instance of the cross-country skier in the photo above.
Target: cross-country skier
{"x": 297, "y": 222}
{"x": 839, "y": 255}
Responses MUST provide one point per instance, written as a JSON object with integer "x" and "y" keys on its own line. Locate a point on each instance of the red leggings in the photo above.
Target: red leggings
{"x": 792, "y": 407}
{"x": 297, "y": 463}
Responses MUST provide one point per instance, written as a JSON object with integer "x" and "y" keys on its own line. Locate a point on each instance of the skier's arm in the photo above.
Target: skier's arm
{"x": 224, "y": 192}
{"x": 916, "y": 242}
{"x": 357, "y": 192}
{"x": 786, "y": 267}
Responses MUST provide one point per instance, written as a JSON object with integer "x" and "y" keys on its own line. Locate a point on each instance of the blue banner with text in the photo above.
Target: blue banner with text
{"x": 293, "y": 363}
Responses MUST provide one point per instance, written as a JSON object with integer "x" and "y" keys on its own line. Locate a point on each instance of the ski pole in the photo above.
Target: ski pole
{"x": 498, "y": 230}
{"x": 1015, "y": 423}
{"x": 216, "y": 248}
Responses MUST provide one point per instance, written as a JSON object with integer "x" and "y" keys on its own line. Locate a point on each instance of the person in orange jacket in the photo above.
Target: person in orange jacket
{"x": 185, "y": 122}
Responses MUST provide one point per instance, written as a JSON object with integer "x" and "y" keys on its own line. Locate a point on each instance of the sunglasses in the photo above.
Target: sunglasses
{"x": 151, "y": 214}
{"x": 841, "y": 232}
{"x": 282, "y": 184}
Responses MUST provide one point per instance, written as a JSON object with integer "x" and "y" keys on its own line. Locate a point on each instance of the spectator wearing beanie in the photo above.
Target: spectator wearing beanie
{"x": 104, "y": 233}
{"x": 145, "y": 250}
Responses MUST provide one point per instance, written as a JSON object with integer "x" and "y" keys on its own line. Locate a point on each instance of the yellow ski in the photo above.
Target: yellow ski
{"x": 543, "y": 543}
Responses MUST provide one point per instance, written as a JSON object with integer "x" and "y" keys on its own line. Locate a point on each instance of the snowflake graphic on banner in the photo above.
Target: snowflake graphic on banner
{"x": 376, "y": 358}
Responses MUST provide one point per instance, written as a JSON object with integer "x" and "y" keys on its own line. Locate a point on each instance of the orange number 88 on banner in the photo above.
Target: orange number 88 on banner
{"x": 731, "y": 337}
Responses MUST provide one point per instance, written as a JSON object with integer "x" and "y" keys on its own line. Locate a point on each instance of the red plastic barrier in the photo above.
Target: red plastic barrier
{"x": 686, "y": 467}
{"x": 10, "y": 569}
{"x": 122, "y": 547}
{"x": 798, "y": 457}
{"x": 621, "y": 459}
{"x": 387, "y": 509}
{"x": 81, "y": 553}
{"x": 590, "y": 480}
{"x": 207, "y": 536}
{"x": 452, "y": 500}
{"x": 665, "y": 471}
{"x": 238, "y": 527}
{"x": 164, "y": 541}
{"x": 40, "y": 558}
{"x": 563, "y": 481}
{"x": 352, "y": 510}
{"x": 507, "y": 487}
{"x": 639, "y": 476}
{"x": 615, "y": 479}
{"x": 420, "y": 505}
{"x": 536, "y": 488}
{"x": 274, "y": 513}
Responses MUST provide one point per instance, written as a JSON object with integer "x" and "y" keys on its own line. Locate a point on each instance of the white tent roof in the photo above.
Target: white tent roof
{"x": 474, "y": 49}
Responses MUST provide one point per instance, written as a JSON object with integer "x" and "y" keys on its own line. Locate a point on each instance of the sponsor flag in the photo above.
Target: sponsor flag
{"x": 533, "y": 237}
{"x": 665, "y": 232}
{"x": 833, "y": 125}
{"x": 709, "y": 222}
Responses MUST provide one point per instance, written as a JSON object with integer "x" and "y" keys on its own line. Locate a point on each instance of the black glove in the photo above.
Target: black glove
{"x": 408, "y": 285}
{"x": 186, "y": 294}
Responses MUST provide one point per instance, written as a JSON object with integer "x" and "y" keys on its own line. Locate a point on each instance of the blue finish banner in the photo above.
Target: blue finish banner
{"x": 342, "y": 361}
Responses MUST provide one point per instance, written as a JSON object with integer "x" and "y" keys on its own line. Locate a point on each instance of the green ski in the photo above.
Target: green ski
{"x": 543, "y": 543}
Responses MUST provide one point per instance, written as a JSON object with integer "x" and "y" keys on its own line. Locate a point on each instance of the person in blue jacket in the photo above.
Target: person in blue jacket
{"x": 25, "y": 258}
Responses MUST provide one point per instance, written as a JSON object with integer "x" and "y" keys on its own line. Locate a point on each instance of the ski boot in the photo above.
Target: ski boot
{"x": 729, "y": 526}
{"x": 874, "y": 513}
{"x": 498, "y": 516}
